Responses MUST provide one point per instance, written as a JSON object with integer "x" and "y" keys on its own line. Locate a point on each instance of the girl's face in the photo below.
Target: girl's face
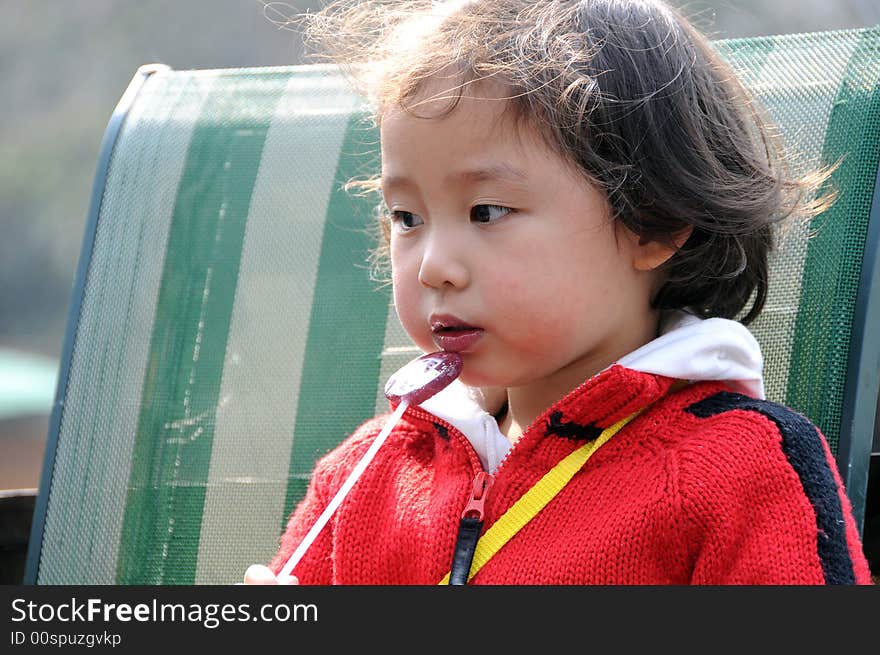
{"x": 501, "y": 252}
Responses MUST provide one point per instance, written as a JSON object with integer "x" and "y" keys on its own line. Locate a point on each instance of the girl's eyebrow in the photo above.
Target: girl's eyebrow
{"x": 503, "y": 172}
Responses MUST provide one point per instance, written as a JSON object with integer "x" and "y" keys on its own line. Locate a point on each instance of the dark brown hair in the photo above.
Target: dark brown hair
{"x": 630, "y": 93}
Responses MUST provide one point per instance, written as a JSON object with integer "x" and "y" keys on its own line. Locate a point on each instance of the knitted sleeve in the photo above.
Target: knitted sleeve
{"x": 316, "y": 565}
{"x": 763, "y": 500}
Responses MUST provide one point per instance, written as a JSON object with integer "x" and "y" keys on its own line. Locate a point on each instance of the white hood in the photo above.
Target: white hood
{"x": 688, "y": 348}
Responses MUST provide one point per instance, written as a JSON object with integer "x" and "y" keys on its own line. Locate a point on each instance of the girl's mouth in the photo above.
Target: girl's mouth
{"x": 457, "y": 340}
{"x": 452, "y": 334}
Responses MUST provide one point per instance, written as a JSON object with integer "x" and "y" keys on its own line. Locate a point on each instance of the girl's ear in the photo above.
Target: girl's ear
{"x": 650, "y": 255}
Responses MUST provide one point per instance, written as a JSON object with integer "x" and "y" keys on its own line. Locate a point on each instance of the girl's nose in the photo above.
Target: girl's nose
{"x": 443, "y": 266}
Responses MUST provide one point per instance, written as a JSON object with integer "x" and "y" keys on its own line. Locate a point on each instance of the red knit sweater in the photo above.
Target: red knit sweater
{"x": 705, "y": 487}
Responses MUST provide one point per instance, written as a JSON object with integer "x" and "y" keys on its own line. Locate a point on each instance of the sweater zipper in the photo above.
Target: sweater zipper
{"x": 473, "y": 516}
{"x": 469, "y": 529}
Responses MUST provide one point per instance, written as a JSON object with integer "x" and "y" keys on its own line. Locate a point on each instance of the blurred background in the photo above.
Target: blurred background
{"x": 64, "y": 65}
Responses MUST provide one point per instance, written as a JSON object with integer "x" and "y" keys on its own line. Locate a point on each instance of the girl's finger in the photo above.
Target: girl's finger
{"x": 259, "y": 574}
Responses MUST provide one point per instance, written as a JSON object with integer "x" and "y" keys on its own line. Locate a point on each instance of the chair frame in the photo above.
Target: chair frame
{"x": 858, "y": 421}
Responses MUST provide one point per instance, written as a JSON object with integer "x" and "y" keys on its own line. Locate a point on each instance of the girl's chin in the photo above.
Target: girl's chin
{"x": 473, "y": 377}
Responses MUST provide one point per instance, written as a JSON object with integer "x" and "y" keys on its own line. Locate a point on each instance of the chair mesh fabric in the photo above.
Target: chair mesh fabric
{"x": 822, "y": 92}
{"x": 230, "y": 332}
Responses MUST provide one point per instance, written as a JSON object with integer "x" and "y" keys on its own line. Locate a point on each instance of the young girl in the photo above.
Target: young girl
{"x": 579, "y": 201}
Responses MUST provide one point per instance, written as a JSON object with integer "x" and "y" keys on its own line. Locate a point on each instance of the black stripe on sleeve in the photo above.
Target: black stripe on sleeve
{"x": 805, "y": 453}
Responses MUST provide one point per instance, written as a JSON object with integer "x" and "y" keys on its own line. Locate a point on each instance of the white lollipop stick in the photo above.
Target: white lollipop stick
{"x": 411, "y": 385}
{"x": 361, "y": 466}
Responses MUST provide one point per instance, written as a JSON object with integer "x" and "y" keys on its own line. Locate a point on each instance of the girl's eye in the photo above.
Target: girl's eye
{"x": 488, "y": 213}
{"x": 405, "y": 220}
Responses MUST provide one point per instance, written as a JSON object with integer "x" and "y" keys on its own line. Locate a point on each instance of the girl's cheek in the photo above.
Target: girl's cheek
{"x": 407, "y": 307}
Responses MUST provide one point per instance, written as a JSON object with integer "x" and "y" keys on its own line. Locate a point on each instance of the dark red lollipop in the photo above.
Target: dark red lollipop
{"x": 423, "y": 377}
{"x": 415, "y": 382}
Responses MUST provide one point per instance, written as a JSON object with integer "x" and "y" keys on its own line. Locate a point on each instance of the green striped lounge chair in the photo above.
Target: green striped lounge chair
{"x": 225, "y": 330}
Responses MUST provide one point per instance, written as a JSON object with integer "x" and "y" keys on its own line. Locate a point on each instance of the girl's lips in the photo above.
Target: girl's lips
{"x": 457, "y": 340}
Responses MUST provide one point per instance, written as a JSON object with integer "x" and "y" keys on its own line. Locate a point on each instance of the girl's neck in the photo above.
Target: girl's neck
{"x": 526, "y": 403}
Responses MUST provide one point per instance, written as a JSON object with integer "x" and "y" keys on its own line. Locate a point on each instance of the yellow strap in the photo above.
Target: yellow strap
{"x": 534, "y": 500}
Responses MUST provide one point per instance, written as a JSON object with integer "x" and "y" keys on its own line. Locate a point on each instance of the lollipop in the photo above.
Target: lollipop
{"x": 423, "y": 377}
{"x": 413, "y": 384}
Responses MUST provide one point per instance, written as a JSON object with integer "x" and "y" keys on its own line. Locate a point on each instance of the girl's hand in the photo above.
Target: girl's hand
{"x": 259, "y": 574}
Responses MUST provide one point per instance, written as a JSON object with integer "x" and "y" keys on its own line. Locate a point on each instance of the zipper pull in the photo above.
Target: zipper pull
{"x": 476, "y": 506}
{"x": 469, "y": 530}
